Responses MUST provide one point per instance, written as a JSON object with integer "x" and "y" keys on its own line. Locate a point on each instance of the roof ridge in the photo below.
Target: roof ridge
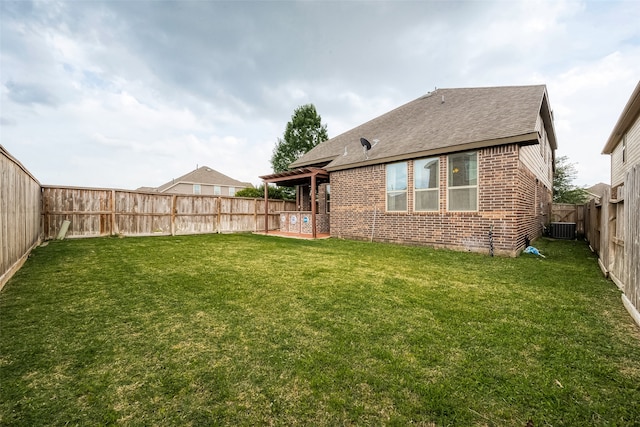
{"x": 491, "y": 87}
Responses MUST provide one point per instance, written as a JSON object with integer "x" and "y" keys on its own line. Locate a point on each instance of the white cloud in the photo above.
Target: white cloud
{"x": 588, "y": 99}
{"x": 130, "y": 94}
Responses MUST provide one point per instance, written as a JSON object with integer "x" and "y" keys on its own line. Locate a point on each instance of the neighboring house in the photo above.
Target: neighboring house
{"x": 619, "y": 219}
{"x": 203, "y": 180}
{"x": 467, "y": 169}
{"x": 624, "y": 143}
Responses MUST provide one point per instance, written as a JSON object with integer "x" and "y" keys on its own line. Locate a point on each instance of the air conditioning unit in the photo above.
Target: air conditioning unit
{"x": 563, "y": 230}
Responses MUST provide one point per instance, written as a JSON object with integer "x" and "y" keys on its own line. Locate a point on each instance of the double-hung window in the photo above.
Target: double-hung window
{"x": 196, "y": 189}
{"x": 397, "y": 187}
{"x": 426, "y": 184}
{"x": 462, "y": 181}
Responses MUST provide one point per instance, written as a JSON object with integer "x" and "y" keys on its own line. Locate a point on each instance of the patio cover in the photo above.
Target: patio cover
{"x": 301, "y": 176}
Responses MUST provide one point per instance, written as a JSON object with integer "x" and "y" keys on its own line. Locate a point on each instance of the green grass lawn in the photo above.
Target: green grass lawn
{"x": 254, "y": 330}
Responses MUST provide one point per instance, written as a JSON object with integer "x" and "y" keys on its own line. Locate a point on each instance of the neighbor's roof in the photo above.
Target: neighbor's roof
{"x": 204, "y": 175}
{"x": 441, "y": 121}
{"x": 598, "y": 189}
{"x": 627, "y": 118}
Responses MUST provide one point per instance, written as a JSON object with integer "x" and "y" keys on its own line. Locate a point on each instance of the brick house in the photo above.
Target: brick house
{"x": 469, "y": 169}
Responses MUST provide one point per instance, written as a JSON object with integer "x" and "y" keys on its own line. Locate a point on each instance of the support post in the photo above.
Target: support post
{"x": 313, "y": 205}
{"x": 266, "y": 208}
{"x": 114, "y": 231}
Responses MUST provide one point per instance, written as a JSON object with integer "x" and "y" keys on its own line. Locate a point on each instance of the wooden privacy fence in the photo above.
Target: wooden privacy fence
{"x": 102, "y": 212}
{"x": 631, "y": 226}
{"x": 612, "y": 229}
{"x": 19, "y": 214}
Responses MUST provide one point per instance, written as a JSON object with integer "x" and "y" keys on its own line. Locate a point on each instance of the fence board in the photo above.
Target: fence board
{"x": 589, "y": 221}
{"x": 616, "y": 243}
{"x": 603, "y": 228}
{"x": 632, "y": 236}
{"x": 19, "y": 214}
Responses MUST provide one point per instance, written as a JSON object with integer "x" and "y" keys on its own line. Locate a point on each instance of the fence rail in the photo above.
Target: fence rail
{"x": 102, "y": 212}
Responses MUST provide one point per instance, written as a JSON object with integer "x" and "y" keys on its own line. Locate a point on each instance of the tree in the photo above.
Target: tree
{"x": 274, "y": 192}
{"x": 303, "y": 132}
{"x": 563, "y": 189}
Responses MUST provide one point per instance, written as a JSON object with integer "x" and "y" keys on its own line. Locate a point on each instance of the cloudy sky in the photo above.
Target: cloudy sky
{"x": 134, "y": 93}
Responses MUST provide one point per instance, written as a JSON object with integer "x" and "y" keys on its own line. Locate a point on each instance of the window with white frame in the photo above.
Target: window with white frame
{"x": 217, "y": 190}
{"x": 426, "y": 183}
{"x": 462, "y": 181}
{"x": 232, "y": 191}
{"x": 196, "y": 189}
{"x": 397, "y": 187}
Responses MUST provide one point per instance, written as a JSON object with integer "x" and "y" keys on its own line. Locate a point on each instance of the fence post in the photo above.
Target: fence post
{"x": 219, "y": 209}
{"x": 174, "y": 209}
{"x": 231, "y": 214}
{"x": 255, "y": 214}
{"x": 113, "y": 213}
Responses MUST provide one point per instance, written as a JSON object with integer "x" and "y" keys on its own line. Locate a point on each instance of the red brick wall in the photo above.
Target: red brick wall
{"x": 508, "y": 203}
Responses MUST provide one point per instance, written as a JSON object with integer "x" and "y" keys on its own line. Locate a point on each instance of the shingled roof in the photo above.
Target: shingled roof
{"x": 442, "y": 121}
{"x": 598, "y": 189}
{"x": 204, "y": 175}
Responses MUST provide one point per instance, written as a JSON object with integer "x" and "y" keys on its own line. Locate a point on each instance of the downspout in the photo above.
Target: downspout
{"x": 491, "y": 240}
{"x": 373, "y": 226}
